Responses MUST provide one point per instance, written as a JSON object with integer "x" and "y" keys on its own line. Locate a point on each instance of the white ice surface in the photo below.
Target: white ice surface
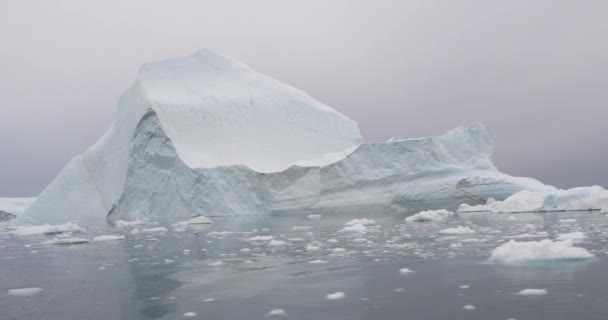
{"x": 15, "y": 205}
{"x": 24, "y": 292}
{"x": 515, "y": 252}
{"x": 46, "y": 229}
{"x": 429, "y": 215}
{"x": 575, "y": 199}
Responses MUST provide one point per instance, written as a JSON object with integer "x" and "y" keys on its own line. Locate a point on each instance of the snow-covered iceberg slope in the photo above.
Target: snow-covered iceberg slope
{"x": 205, "y": 134}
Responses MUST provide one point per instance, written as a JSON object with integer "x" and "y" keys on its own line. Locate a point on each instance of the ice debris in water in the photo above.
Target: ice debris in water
{"x": 155, "y": 230}
{"x": 314, "y": 216}
{"x": 429, "y": 215}
{"x": 515, "y": 252}
{"x": 24, "y": 292}
{"x": 358, "y": 225}
{"x": 405, "y": 271}
{"x": 190, "y": 314}
{"x": 469, "y": 307}
{"x": 66, "y": 241}
{"x": 532, "y": 292}
{"x": 276, "y": 313}
{"x": 457, "y": 231}
{"x": 108, "y": 237}
{"x": 47, "y": 229}
{"x": 125, "y": 223}
{"x": 574, "y": 236}
{"x": 336, "y": 296}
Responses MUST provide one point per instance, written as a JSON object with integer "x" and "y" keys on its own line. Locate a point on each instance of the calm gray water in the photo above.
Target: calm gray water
{"x": 205, "y": 271}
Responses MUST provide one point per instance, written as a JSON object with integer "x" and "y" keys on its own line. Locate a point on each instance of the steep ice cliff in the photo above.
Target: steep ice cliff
{"x": 205, "y": 134}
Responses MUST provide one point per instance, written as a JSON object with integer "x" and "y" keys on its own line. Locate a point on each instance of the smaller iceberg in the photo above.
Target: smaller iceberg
{"x": 516, "y": 252}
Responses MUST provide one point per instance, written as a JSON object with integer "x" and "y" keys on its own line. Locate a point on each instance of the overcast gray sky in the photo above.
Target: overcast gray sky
{"x": 534, "y": 71}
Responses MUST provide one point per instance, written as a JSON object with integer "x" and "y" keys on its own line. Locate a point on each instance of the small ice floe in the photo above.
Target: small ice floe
{"x": 301, "y": 228}
{"x": 539, "y": 234}
{"x": 24, "y": 292}
{"x": 336, "y": 296}
{"x": 532, "y": 292}
{"x": 276, "y": 243}
{"x": 567, "y": 220}
{"x": 276, "y": 313}
{"x": 317, "y": 261}
{"x": 199, "y": 220}
{"x": 405, "y": 271}
{"x": 314, "y": 216}
{"x": 108, "y": 237}
{"x": 312, "y": 248}
{"x": 209, "y": 300}
{"x": 574, "y": 236}
{"x": 260, "y": 238}
{"x": 604, "y": 210}
{"x": 363, "y": 222}
{"x": 67, "y": 241}
{"x": 429, "y": 215}
{"x": 464, "y": 286}
{"x": 399, "y": 290}
{"x": 469, "y": 307}
{"x": 457, "y": 231}
{"x": 190, "y": 314}
{"x": 215, "y": 264}
{"x": 354, "y": 228}
{"x": 515, "y": 252}
{"x": 155, "y": 230}
{"x": 47, "y": 229}
{"x": 125, "y": 223}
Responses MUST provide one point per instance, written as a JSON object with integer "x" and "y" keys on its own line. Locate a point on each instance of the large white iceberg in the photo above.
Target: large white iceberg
{"x": 206, "y": 135}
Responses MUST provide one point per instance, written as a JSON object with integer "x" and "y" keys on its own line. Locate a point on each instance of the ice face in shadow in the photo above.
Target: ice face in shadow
{"x": 205, "y": 134}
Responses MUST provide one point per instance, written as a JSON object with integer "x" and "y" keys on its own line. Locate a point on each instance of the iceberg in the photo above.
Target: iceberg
{"x": 514, "y": 252}
{"x": 550, "y": 200}
{"x": 205, "y": 135}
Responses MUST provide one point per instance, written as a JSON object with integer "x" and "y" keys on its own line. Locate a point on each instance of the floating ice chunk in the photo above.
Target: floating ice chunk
{"x": 354, "y": 228}
{"x": 567, "y": 220}
{"x": 604, "y": 210}
{"x": 66, "y": 241}
{"x": 47, "y": 229}
{"x": 363, "y": 222}
{"x": 125, "y": 223}
{"x": 312, "y": 248}
{"x": 24, "y": 292}
{"x": 514, "y": 252}
{"x": 190, "y": 314}
{"x": 457, "y": 231}
{"x": 109, "y": 237}
{"x": 429, "y": 215}
{"x": 314, "y": 216}
{"x": 532, "y": 292}
{"x": 260, "y": 238}
{"x": 336, "y": 296}
{"x": 317, "y": 261}
{"x": 575, "y": 236}
{"x": 215, "y": 264}
{"x": 276, "y": 243}
{"x": 276, "y": 313}
{"x": 469, "y": 307}
{"x": 405, "y": 271}
{"x": 464, "y": 286}
{"x": 209, "y": 300}
{"x": 155, "y": 230}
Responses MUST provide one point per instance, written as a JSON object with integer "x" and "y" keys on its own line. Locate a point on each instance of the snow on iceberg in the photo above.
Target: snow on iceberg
{"x": 206, "y": 134}
{"x": 12, "y": 207}
{"x": 429, "y": 215}
{"x": 575, "y": 199}
{"x": 515, "y": 252}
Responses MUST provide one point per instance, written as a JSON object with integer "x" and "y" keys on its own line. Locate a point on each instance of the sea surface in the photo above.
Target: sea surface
{"x": 233, "y": 270}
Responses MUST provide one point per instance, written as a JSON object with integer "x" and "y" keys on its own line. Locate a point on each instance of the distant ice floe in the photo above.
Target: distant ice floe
{"x": 24, "y": 292}
{"x": 532, "y": 292}
{"x": 460, "y": 230}
{"x": 47, "y": 229}
{"x": 108, "y": 237}
{"x": 429, "y": 215}
{"x": 276, "y": 313}
{"x": 358, "y": 225}
{"x": 67, "y": 241}
{"x": 405, "y": 271}
{"x": 515, "y": 252}
{"x": 575, "y": 199}
{"x": 574, "y": 236}
{"x": 336, "y": 296}
{"x": 125, "y": 223}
